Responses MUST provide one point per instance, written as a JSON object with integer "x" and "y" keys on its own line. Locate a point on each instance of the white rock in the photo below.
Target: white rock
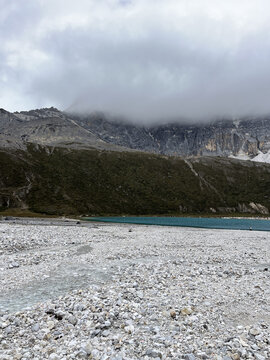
{"x": 259, "y": 356}
{"x": 129, "y": 329}
{"x": 54, "y": 356}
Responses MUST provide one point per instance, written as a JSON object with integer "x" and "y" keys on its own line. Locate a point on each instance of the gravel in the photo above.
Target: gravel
{"x": 73, "y": 290}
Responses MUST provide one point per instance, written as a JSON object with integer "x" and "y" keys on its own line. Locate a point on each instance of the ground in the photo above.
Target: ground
{"x": 99, "y": 291}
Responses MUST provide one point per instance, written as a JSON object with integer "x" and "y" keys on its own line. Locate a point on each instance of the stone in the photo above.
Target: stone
{"x": 254, "y": 331}
{"x": 107, "y": 324}
{"x": 95, "y": 332}
{"x": 59, "y": 315}
{"x": 3, "y": 325}
{"x": 81, "y": 354}
{"x": 153, "y": 353}
{"x": 129, "y": 329}
{"x": 50, "y": 324}
{"x": 243, "y": 341}
{"x": 8, "y": 330}
{"x": 259, "y": 356}
{"x": 54, "y": 356}
{"x": 79, "y": 307}
{"x": 87, "y": 348}
{"x": 95, "y": 354}
{"x": 152, "y": 286}
{"x": 106, "y": 333}
{"x": 186, "y": 311}
{"x": 189, "y": 357}
{"x": 14, "y": 265}
{"x": 71, "y": 319}
{"x": 35, "y": 327}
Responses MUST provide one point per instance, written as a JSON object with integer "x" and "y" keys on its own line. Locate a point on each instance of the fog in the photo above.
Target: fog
{"x": 147, "y": 61}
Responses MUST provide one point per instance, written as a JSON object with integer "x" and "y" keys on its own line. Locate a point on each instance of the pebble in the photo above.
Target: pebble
{"x": 189, "y": 357}
{"x": 71, "y": 319}
{"x": 254, "y": 331}
{"x": 3, "y": 325}
{"x": 35, "y": 327}
{"x": 129, "y": 329}
{"x": 14, "y": 265}
{"x": 87, "y": 348}
{"x": 259, "y": 357}
{"x": 186, "y": 311}
{"x": 54, "y": 356}
{"x": 155, "y": 293}
{"x": 153, "y": 354}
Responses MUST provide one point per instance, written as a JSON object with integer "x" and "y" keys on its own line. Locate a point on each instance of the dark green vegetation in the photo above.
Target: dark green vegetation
{"x": 60, "y": 181}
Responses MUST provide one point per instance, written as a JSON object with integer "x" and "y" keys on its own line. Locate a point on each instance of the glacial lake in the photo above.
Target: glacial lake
{"x": 207, "y": 223}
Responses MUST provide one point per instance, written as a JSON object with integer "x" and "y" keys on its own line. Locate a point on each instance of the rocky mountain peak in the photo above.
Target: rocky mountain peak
{"x": 241, "y": 138}
{"x": 246, "y": 138}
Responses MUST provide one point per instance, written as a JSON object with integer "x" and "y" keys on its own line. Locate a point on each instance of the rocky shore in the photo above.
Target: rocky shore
{"x": 73, "y": 290}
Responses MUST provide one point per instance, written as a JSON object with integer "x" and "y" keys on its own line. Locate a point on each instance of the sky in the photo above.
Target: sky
{"x": 146, "y": 60}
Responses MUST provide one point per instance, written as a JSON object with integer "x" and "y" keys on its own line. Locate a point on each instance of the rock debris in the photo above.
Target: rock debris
{"x": 103, "y": 292}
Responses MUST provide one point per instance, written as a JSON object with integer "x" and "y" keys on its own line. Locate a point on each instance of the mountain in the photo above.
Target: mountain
{"x": 60, "y": 180}
{"x": 58, "y": 163}
{"x": 244, "y": 138}
{"x": 49, "y": 127}
{"x": 247, "y": 138}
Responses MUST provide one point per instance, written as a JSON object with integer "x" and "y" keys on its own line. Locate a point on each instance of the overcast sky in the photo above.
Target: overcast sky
{"x": 144, "y": 59}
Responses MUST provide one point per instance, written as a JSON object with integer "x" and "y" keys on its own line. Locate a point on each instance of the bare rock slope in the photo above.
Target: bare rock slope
{"x": 244, "y": 138}
{"x": 247, "y": 138}
{"x": 46, "y": 127}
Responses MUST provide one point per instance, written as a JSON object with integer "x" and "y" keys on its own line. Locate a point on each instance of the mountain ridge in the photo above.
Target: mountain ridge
{"x": 57, "y": 163}
{"x": 246, "y": 138}
{"x": 48, "y": 127}
{"x": 62, "y": 181}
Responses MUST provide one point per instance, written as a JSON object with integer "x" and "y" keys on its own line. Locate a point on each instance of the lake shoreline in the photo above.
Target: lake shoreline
{"x": 18, "y": 213}
{"x": 192, "y": 222}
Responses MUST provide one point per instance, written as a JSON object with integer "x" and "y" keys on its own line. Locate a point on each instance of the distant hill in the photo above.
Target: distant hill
{"x": 60, "y": 180}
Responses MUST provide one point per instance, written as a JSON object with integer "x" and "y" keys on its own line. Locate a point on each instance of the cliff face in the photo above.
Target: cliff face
{"x": 242, "y": 138}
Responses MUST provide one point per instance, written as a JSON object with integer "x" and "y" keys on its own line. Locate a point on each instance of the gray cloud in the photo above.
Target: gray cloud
{"x": 146, "y": 60}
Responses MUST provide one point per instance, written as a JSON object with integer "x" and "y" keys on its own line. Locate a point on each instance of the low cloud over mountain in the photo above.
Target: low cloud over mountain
{"x": 145, "y": 60}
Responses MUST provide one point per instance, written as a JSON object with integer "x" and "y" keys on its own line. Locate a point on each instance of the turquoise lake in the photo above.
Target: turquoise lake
{"x": 207, "y": 223}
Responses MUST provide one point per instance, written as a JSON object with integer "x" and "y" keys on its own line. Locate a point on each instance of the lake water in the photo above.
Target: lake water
{"x": 208, "y": 223}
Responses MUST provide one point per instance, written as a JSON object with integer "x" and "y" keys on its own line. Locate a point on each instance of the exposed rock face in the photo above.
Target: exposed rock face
{"x": 244, "y": 138}
{"x": 54, "y": 163}
{"x": 45, "y": 127}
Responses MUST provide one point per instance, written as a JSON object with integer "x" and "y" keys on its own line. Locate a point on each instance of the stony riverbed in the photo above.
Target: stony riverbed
{"x": 86, "y": 291}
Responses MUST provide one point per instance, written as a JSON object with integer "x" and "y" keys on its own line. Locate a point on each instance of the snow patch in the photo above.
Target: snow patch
{"x": 261, "y": 157}
{"x": 240, "y": 156}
